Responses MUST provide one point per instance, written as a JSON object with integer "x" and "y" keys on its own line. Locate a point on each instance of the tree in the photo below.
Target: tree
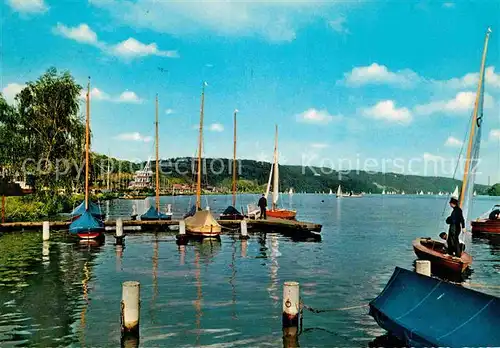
{"x": 53, "y": 132}
{"x": 494, "y": 190}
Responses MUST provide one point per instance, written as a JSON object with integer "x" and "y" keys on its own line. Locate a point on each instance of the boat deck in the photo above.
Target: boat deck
{"x": 268, "y": 225}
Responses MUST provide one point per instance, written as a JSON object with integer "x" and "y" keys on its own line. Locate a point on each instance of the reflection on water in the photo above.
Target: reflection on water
{"x": 228, "y": 291}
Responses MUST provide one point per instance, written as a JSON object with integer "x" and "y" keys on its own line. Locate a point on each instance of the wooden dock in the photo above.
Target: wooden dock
{"x": 268, "y": 225}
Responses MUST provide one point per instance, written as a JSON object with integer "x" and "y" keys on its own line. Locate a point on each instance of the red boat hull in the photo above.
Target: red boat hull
{"x": 428, "y": 249}
{"x": 90, "y": 235}
{"x": 282, "y": 214}
{"x": 481, "y": 226}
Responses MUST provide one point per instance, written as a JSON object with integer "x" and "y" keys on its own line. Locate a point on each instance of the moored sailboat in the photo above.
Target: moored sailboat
{"x": 87, "y": 217}
{"x": 274, "y": 174}
{"x": 488, "y": 223}
{"x": 426, "y": 248}
{"x": 154, "y": 213}
{"x": 231, "y": 213}
{"x": 201, "y": 224}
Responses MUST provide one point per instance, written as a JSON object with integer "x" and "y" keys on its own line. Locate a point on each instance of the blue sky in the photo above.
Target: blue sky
{"x": 345, "y": 81}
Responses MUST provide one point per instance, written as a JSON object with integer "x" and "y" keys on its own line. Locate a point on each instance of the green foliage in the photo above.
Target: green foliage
{"x": 494, "y": 190}
{"x": 52, "y": 131}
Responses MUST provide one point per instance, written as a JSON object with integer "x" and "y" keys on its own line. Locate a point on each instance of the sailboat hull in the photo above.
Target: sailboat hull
{"x": 485, "y": 226}
{"x": 91, "y": 235}
{"x": 434, "y": 251}
{"x": 282, "y": 214}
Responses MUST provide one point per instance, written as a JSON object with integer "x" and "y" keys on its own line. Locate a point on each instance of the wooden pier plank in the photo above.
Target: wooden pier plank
{"x": 273, "y": 224}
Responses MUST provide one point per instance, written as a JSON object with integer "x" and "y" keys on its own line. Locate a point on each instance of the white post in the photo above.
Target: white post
{"x": 182, "y": 227}
{"x": 423, "y": 267}
{"x": 169, "y": 208}
{"x": 130, "y": 306}
{"x": 46, "y": 230}
{"x": 119, "y": 228}
{"x": 244, "y": 230}
{"x": 134, "y": 210}
{"x": 291, "y": 299}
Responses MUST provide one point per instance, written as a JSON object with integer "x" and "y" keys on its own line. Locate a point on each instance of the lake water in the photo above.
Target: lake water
{"x": 224, "y": 293}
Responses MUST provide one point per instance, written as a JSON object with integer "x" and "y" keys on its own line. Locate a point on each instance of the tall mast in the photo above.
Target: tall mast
{"x": 87, "y": 145}
{"x": 157, "y": 160}
{"x": 276, "y": 171}
{"x": 200, "y": 142}
{"x": 474, "y": 120}
{"x": 234, "y": 160}
{"x": 107, "y": 183}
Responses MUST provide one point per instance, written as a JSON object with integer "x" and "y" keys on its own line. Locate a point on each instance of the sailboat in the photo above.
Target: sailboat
{"x": 201, "y": 224}
{"x": 231, "y": 213}
{"x": 383, "y": 191}
{"x": 274, "y": 174}
{"x": 347, "y": 195}
{"x": 154, "y": 213}
{"x": 330, "y": 193}
{"x": 435, "y": 251}
{"x": 87, "y": 217}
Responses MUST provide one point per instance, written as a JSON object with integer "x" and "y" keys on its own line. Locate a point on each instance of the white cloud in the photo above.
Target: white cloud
{"x": 273, "y": 20}
{"x": 461, "y": 103}
{"x": 127, "y": 49}
{"x": 387, "y": 111}
{"x": 376, "y": 74}
{"x": 129, "y": 97}
{"x": 81, "y": 33}
{"x": 28, "y": 6}
{"x": 453, "y": 142}
{"x": 313, "y": 115}
{"x": 216, "y": 127}
{"x": 448, "y": 5}
{"x": 319, "y": 145}
{"x": 470, "y": 80}
{"x": 169, "y": 111}
{"x": 11, "y": 90}
{"x": 495, "y": 134}
{"x": 338, "y": 25}
{"x": 132, "y": 48}
{"x": 95, "y": 93}
{"x": 135, "y": 136}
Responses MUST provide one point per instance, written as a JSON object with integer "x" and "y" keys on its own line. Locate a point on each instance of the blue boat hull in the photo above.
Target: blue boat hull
{"x": 423, "y": 311}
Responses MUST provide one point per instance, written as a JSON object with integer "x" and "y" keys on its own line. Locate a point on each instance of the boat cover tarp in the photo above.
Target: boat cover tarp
{"x": 201, "y": 218}
{"x": 425, "y": 311}
{"x": 93, "y": 208}
{"x": 86, "y": 223}
{"x": 153, "y": 214}
{"x": 231, "y": 211}
{"x": 191, "y": 212}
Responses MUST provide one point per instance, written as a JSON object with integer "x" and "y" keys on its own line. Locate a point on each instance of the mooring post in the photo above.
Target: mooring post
{"x": 182, "y": 237}
{"x": 169, "y": 208}
{"x": 423, "y": 267}
{"x": 134, "y": 212}
{"x": 130, "y": 307}
{"x": 291, "y": 309}
{"x": 119, "y": 231}
{"x": 244, "y": 230}
{"x": 45, "y": 230}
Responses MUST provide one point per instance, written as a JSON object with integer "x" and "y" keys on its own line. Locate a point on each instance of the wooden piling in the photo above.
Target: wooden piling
{"x": 119, "y": 231}
{"x": 45, "y": 230}
{"x": 130, "y": 307}
{"x": 134, "y": 212}
{"x": 291, "y": 299}
{"x": 244, "y": 230}
{"x": 423, "y": 267}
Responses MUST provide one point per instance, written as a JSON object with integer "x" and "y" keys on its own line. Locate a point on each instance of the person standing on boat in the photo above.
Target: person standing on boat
{"x": 457, "y": 222}
{"x": 263, "y": 206}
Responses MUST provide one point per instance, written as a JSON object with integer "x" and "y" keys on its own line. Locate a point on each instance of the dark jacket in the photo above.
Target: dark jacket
{"x": 262, "y": 202}
{"x": 456, "y": 219}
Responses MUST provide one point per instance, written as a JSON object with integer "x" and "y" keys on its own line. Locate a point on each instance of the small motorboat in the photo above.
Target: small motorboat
{"x": 488, "y": 223}
{"x": 435, "y": 252}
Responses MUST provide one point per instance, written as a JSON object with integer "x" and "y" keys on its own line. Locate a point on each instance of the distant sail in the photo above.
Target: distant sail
{"x": 455, "y": 192}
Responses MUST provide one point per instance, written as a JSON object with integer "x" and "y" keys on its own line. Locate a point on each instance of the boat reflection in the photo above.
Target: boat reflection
{"x": 204, "y": 252}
